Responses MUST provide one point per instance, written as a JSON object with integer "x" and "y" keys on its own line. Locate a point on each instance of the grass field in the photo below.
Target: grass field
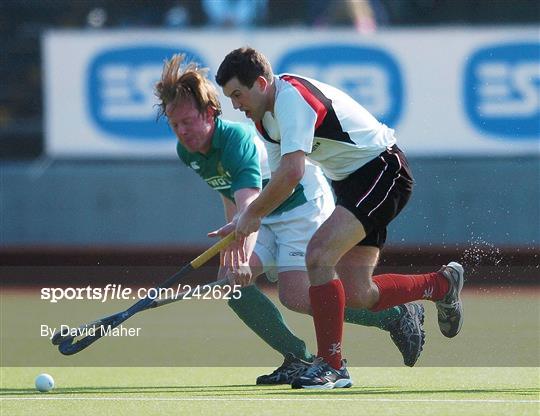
{"x": 228, "y": 391}
{"x": 196, "y": 357}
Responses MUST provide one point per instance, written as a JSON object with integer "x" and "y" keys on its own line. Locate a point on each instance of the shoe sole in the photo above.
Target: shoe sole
{"x": 344, "y": 383}
{"x": 459, "y": 269}
{"x": 418, "y": 310}
{"x": 272, "y": 384}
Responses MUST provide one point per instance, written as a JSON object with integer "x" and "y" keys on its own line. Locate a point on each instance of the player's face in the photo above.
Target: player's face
{"x": 193, "y": 129}
{"x": 251, "y": 101}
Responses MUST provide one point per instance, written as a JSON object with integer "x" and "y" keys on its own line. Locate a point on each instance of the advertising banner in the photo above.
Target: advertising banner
{"x": 446, "y": 91}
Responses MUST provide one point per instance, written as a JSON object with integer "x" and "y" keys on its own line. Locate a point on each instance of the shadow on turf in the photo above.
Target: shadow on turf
{"x": 358, "y": 390}
{"x": 142, "y": 389}
{"x": 243, "y": 389}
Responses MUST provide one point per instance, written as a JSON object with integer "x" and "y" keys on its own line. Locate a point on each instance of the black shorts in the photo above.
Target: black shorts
{"x": 376, "y": 193}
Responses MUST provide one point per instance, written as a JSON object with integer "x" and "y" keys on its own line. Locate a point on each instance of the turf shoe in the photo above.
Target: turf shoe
{"x": 407, "y": 332}
{"x": 450, "y": 308}
{"x": 291, "y": 368}
{"x": 323, "y": 376}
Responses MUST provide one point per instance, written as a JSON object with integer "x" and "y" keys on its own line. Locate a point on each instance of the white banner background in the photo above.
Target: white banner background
{"x": 431, "y": 62}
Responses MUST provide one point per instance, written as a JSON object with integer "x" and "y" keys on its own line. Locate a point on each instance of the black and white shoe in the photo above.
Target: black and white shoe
{"x": 407, "y": 332}
{"x": 322, "y": 375}
{"x": 450, "y": 308}
{"x": 291, "y": 368}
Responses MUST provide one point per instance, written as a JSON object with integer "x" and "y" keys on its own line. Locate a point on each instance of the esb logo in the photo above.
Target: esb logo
{"x": 369, "y": 75}
{"x": 120, "y": 91}
{"x": 502, "y": 90}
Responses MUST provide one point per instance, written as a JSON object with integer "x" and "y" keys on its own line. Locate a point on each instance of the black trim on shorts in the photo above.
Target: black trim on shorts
{"x": 376, "y": 193}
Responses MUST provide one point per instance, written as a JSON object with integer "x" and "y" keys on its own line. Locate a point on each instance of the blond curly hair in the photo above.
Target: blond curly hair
{"x": 186, "y": 80}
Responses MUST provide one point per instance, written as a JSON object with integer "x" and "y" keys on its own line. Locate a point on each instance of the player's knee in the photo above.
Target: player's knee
{"x": 294, "y": 304}
{"x": 360, "y": 299}
{"x": 316, "y": 256}
{"x": 358, "y": 303}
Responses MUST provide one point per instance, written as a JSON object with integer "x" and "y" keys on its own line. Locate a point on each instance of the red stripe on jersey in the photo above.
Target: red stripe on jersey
{"x": 263, "y": 132}
{"x": 311, "y": 99}
{"x": 259, "y": 126}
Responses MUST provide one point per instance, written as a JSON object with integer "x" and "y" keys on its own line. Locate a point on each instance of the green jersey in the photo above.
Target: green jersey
{"x": 233, "y": 163}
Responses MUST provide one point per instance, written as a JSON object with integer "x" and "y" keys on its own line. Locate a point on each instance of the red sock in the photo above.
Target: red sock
{"x": 395, "y": 289}
{"x": 328, "y": 304}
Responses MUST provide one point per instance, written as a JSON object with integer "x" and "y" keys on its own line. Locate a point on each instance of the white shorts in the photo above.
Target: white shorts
{"x": 283, "y": 238}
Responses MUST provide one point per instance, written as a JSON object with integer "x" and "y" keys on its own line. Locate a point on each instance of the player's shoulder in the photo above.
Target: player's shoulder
{"x": 288, "y": 82}
{"x": 234, "y": 134}
{"x": 291, "y": 88}
{"x": 289, "y": 79}
{"x": 236, "y": 143}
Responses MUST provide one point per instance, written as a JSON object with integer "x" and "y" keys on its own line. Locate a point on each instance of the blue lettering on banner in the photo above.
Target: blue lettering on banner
{"x": 371, "y": 76}
{"x": 502, "y": 90}
{"x": 120, "y": 91}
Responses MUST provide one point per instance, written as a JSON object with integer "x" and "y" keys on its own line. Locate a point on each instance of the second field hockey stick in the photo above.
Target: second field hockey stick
{"x": 96, "y": 329}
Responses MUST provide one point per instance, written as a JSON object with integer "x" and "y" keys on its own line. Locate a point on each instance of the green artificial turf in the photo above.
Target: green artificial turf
{"x": 221, "y": 391}
{"x": 197, "y": 358}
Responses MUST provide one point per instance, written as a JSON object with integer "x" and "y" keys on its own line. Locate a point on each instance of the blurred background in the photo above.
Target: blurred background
{"x": 92, "y": 193}
{"x": 89, "y": 175}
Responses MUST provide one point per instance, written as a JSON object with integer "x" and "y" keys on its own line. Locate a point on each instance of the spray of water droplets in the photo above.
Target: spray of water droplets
{"x": 480, "y": 253}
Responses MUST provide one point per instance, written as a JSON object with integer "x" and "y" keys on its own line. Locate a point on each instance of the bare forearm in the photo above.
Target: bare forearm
{"x": 281, "y": 185}
{"x": 273, "y": 195}
{"x": 229, "y": 209}
{"x": 243, "y": 199}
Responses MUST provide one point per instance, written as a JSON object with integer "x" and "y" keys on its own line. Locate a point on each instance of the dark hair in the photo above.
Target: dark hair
{"x": 246, "y": 64}
{"x": 180, "y": 81}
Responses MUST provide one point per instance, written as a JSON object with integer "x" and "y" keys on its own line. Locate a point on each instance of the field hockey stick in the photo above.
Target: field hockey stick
{"x": 156, "y": 304}
{"x": 97, "y": 329}
{"x": 57, "y": 339}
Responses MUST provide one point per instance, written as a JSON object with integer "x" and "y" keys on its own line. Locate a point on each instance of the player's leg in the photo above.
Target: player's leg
{"x": 405, "y": 323}
{"x": 293, "y": 289}
{"x": 374, "y": 195}
{"x": 337, "y": 235}
{"x": 442, "y": 287}
{"x": 294, "y": 365}
{"x": 358, "y": 196}
{"x": 293, "y": 231}
{"x": 355, "y": 269}
{"x": 260, "y": 314}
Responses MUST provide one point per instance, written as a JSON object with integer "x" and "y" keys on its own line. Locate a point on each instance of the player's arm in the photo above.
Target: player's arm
{"x": 229, "y": 208}
{"x": 279, "y": 188}
{"x": 244, "y": 198}
{"x": 236, "y": 257}
{"x": 297, "y": 120}
{"x": 281, "y": 185}
{"x": 240, "y": 158}
{"x": 230, "y": 211}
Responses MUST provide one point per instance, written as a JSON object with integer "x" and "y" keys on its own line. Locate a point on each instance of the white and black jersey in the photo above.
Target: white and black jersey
{"x": 370, "y": 175}
{"x": 332, "y": 129}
